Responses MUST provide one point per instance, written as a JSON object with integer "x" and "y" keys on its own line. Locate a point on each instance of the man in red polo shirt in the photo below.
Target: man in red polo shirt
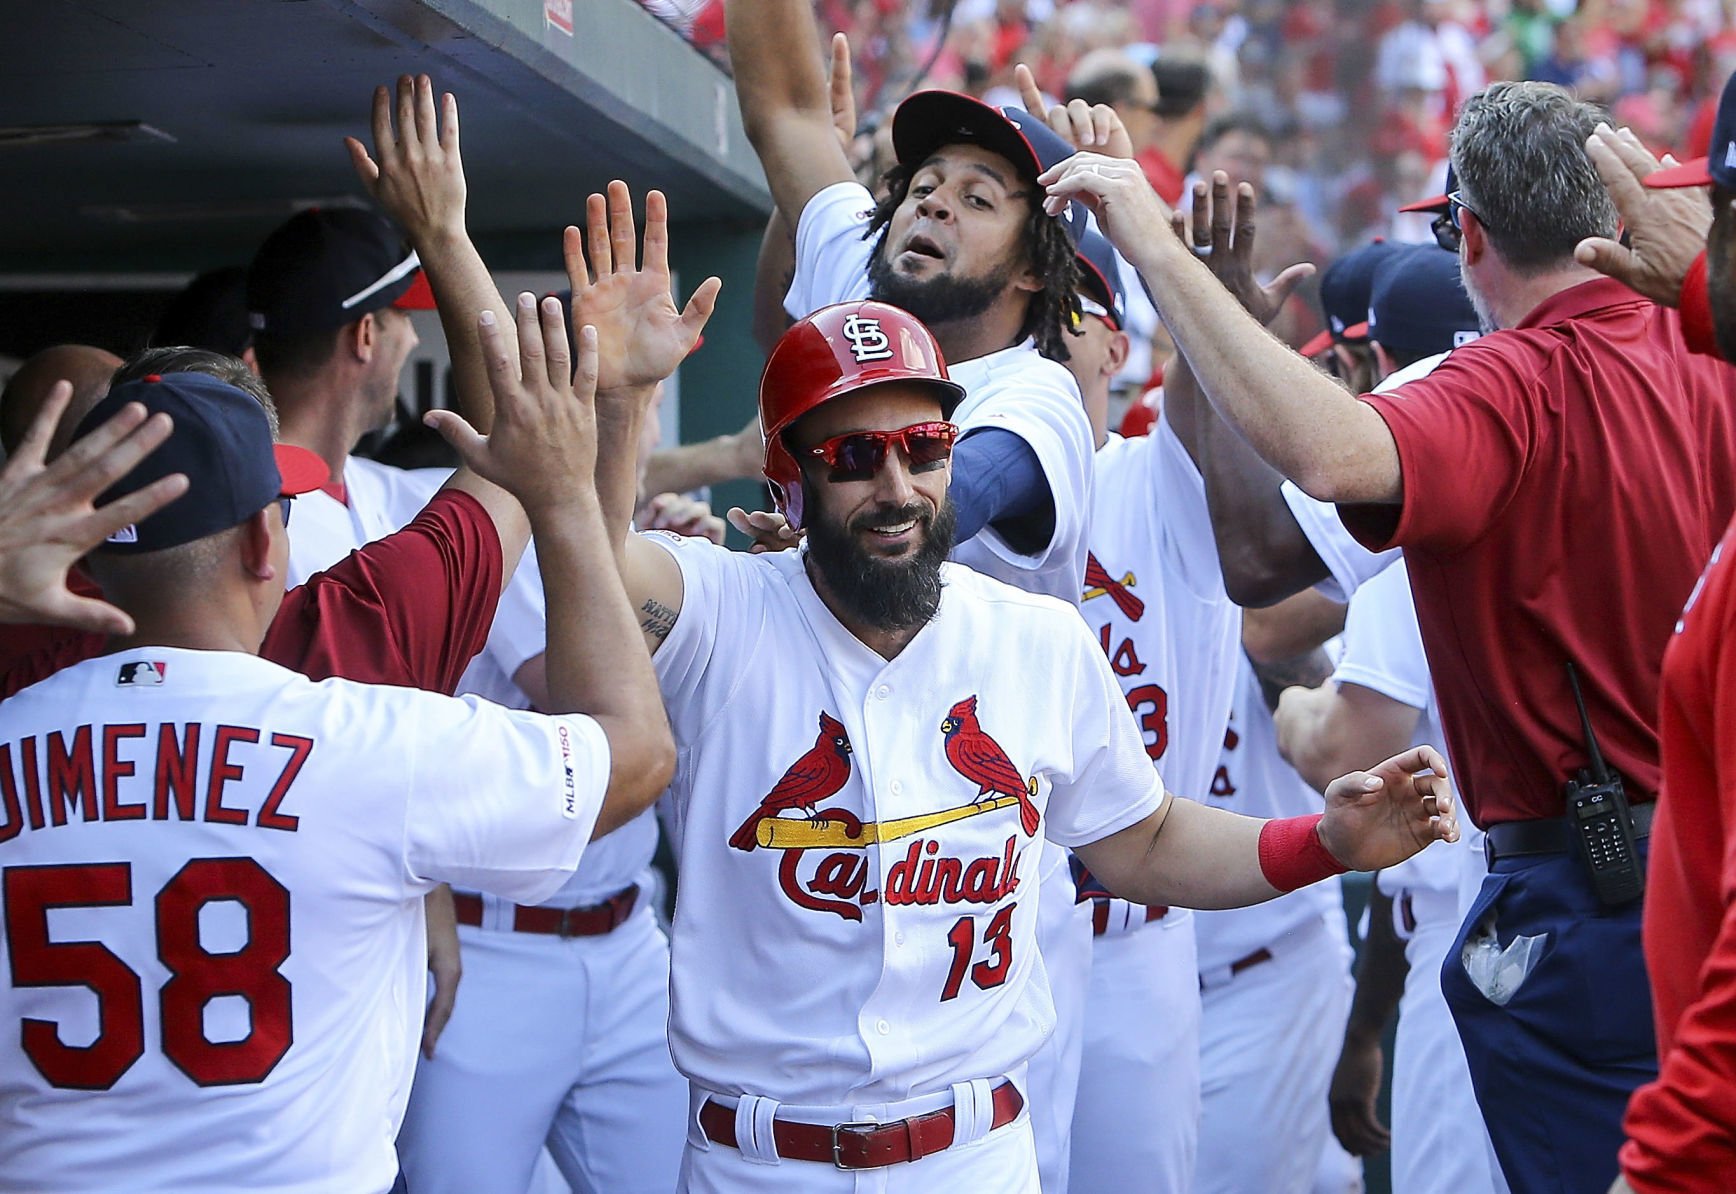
{"x": 1556, "y": 486}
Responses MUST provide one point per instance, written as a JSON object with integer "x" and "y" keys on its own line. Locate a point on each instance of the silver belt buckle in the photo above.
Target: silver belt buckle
{"x": 863, "y": 1125}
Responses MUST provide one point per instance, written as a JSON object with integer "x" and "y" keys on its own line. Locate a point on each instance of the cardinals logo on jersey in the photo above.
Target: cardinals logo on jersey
{"x": 818, "y": 775}
{"x": 980, "y": 759}
{"x": 1099, "y": 583}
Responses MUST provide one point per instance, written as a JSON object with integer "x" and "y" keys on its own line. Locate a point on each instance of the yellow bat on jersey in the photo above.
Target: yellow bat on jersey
{"x": 783, "y": 833}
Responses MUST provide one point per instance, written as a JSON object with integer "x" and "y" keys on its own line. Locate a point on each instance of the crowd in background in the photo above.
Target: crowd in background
{"x": 1356, "y": 94}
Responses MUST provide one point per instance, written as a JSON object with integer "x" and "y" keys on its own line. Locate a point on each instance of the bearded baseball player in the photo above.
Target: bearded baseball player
{"x": 861, "y": 986}
{"x": 960, "y": 241}
{"x": 231, "y": 858}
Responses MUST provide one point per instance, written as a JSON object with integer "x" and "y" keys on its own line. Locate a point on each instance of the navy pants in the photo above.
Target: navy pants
{"x": 1554, "y": 1066}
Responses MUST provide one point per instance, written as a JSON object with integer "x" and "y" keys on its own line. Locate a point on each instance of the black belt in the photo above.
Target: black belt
{"x": 1549, "y": 835}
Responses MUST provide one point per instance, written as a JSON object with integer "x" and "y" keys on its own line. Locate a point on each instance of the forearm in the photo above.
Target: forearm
{"x": 596, "y": 662}
{"x": 1380, "y": 974}
{"x": 1298, "y": 420}
{"x": 996, "y": 476}
{"x": 1195, "y": 857}
{"x": 1262, "y": 549}
{"x": 1308, "y": 734}
{"x": 774, "y": 270}
{"x": 620, "y": 415}
{"x": 692, "y": 466}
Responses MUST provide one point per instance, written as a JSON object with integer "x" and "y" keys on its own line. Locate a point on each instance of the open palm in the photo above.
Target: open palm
{"x": 642, "y": 335}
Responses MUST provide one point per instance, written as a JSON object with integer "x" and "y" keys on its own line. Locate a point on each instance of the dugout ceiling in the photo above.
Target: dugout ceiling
{"x": 257, "y": 94}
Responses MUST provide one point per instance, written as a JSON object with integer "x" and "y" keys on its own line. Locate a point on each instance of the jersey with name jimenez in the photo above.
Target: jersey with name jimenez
{"x": 858, "y": 837}
{"x": 1253, "y": 779}
{"x": 230, "y": 857}
{"x": 1016, "y": 389}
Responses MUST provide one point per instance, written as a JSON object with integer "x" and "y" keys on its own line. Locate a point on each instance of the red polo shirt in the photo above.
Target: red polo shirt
{"x": 1682, "y": 1128}
{"x": 411, "y": 609}
{"x": 1564, "y": 480}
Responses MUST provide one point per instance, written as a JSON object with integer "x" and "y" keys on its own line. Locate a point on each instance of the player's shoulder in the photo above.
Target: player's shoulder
{"x": 1019, "y": 369}
{"x": 697, "y": 555}
{"x": 168, "y": 671}
{"x": 842, "y": 205}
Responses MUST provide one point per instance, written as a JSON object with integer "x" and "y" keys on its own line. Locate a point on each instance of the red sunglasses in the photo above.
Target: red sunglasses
{"x": 859, "y": 455}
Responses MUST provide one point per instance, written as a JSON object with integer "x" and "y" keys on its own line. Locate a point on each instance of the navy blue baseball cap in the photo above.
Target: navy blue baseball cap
{"x": 1418, "y": 305}
{"x": 1719, "y": 164}
{"x": 326, "y": 267}
{"x": 928, "y": 121}
{"x": 1344, "y": 293}
{"x": 1101, "y": 277}
{"x": 222, "y": 441}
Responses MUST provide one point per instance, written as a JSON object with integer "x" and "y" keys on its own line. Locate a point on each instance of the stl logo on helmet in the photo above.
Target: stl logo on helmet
{"x": 867, "y": 341}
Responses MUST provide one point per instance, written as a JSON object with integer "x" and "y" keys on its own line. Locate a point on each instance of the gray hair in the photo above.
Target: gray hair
{"x": 180, "y": 358}
{"x": 1518, "y": 150}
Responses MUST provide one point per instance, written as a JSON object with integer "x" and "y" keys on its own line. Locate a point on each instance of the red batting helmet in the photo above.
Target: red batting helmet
{"x": 836, "y": 351}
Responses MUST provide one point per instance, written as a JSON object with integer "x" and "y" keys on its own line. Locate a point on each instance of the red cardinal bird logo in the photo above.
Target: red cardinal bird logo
{"x": 1098, "y": 583}
{"x": 817, "y": 775}
{"x": 980, "y": 759}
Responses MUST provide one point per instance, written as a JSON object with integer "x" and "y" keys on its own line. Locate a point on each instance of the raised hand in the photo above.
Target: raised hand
{"x": 641, "y": 335}
{"x": 1666, "y": 227}
{"x": 842, "y": 92}
{"x": 1082, "y": 125}
{"x": 49, "y": 519}
{"x": 681, "y": 515}
{"x": 415, "y": 172}
{"x": 543, "y": 448}
{"x": 1382, "y": 816}
{"x": 769, "y": 530}
{"x": 1223, "y": 235}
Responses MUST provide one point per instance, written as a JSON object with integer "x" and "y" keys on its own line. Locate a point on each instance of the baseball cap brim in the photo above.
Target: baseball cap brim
{"x": 1356, "y": 333}
{"x": 1696, "y": 173}
{"x": 301, "y": 470}
{"x": 1434, "y": 203}
{"x": 420, "y": 296}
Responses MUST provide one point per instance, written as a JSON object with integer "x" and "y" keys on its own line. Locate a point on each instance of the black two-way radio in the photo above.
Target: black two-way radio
{"x": 1599, "y": 819}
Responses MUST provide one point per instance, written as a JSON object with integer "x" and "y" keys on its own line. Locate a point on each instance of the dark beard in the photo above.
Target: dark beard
{"x": 942, "y": 299}
{"x": 896, "y": 594}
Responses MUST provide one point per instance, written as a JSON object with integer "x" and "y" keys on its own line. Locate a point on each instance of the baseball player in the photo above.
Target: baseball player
{"x": 1154, "y": 595}
{"x": 960, "y": 242}
{"x": 864, "y": 782}
{"x": 1379, "y": 694}
{"x": 559, "y": 1036}
{"x": 241, "y": 888}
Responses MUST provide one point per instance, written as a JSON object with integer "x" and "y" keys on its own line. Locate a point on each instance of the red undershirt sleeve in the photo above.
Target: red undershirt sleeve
{"x": 1696, "y": 311}
{"x": 411, "y": 609}
{"x": 1682, "y": 1128}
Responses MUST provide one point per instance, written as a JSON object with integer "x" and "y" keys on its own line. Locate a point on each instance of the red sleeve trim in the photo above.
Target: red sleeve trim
{"x": 1696, "y": 306}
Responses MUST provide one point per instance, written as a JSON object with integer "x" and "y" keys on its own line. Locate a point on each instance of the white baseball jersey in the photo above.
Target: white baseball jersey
{"x": 858, "y": 837}
{"x": 1348, "y": 563}
{"x": 1439, "y": 1143}
{"x": 1016, "y": 389}
{"x": 1253, "y": 779}
{"x": 230, "y": 859}
{"x": 1154, "y": 595}
{"x": 323, "y": 530}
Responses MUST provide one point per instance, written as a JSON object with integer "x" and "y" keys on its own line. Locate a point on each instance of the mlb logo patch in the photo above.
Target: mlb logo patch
{"x": 127, "y": 534}
{"x": 142, "y": 673}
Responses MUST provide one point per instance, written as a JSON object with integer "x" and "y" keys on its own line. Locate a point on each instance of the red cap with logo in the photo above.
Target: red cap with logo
{"x": 836, "y": 351}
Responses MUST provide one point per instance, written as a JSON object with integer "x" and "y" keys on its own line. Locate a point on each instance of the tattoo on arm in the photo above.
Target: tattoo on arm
{"x": 658, "y": 621}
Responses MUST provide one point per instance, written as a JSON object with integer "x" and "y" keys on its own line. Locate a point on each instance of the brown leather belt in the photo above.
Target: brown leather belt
{"x": 592, "y": 921}
{"x": 860, "y": 1145}
{"x": 1100, "y": 915}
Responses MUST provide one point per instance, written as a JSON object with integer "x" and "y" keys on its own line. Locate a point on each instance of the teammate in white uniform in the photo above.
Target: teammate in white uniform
{"x": 861, "y": 796}
{"x": 1154, "y": 593}
{"x": 1379, "y": 694}
{"x": 236, "y": 855}
{"x": 963, "y": 246}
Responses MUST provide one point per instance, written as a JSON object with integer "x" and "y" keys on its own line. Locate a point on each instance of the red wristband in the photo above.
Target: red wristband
{"x": 1292, "y": 854}
{"x": 1696, "y": 309}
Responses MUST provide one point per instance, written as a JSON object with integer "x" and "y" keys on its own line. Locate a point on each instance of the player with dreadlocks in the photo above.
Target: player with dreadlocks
{"x": 961, "y": 241}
